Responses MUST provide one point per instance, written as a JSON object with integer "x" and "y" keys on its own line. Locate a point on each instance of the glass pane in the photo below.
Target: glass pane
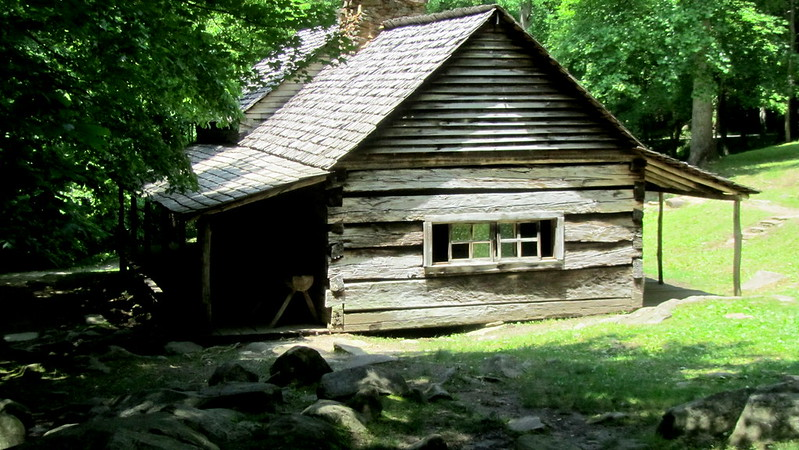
{"x": 461, "y": 231}
{"x": 529, "y": 229}
{"x": 548, "y": 238}
{"x": 506, "y": 231}
{"x": 509, "y": 250}
{"x": 482, "y": 250}
{"x": 440, "y": 244}
{"x": 460, "y": 251}
{"x": 529, "y": 249}
{"x": 482, "y": 231}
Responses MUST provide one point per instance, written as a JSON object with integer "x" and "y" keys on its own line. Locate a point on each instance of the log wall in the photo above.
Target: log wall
{"x": 498, "y": 131}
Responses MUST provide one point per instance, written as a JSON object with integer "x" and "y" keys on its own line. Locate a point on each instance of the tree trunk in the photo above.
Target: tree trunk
{"x": 791, "y": 106}
{"x": 702, "y": 146}
{"x": 525, "y": 11}
{"x": 722, "y": 146}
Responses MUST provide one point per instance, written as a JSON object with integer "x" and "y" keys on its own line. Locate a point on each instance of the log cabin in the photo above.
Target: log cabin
{"x": 450, "y": 172}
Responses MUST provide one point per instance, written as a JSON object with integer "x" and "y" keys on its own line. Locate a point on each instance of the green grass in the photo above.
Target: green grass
{"x": 697, "y": 238}
{"x": 640, "y": 370}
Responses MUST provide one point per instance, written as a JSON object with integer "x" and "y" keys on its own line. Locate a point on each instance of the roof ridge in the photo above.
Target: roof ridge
{"x": 430, "y": 18}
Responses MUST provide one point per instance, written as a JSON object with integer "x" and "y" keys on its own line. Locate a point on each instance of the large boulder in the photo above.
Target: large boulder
{"x": 299, "y": 364}
{"x": 767, "y": 418}
{"x": 712, "y": 416}
{"x": 158, "y": 431}
{"x": 12, "y": 431}
{"x": 344, "y": 384}
{"x": 251, "y": 398}
{"x": 338, "y": 414}
{"x": 750, "y": 417}
{"x": 220, "y": 425}
{"x": 232, "y": 371}
{"x": 297, "y": 431}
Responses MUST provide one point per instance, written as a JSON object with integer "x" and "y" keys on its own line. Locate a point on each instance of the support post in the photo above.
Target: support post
{"x": 204, "y": 237}
{"x": 660, "y": 238}
{"x": 738, "y": 238}
{"x": 134, "y": 227}
{"x": 148, "y": 228}
{"x": 121, "y": 238}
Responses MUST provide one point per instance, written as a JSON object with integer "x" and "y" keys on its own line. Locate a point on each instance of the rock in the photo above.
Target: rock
{"x": 257, "y": 349}
{"x": 182, "y": 348}
{"x": 232, "y": 371}
{"x": 158, "y": 431}
{"x": 761, "y": 279}
{"x": 144, "y": 402}
{"x": 338, "y": 414}
{"x": 434, "y": 392}
{"x": 712, "y": 416}
{"x": 297, "y": 431}
{"x": 505, "y": 365}
{"x": 96, "y": 319}
{"x": 245, "y": 397}
{"x": 676, "y": 202}
{"x": 526, "y": 424}
{"x": 17, "y": 410}
{"x": 343, "y": 384}
{"x": 367, "y": 404}
{"x": 221, "y": 425}
{"x": 12, "y": 431}
{"x": 767, "y": 418}
{"x": 432, "y": 442}
{"x": 299, "y": 364}
{"x": 349, "y": 349}
{"x": 368, "y": 359}
{"x": 21, "y": 337}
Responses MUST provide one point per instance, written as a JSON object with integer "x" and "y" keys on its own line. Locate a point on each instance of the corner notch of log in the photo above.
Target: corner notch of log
{"x": 638, "y": 165}
{"x": 335, "y": 196}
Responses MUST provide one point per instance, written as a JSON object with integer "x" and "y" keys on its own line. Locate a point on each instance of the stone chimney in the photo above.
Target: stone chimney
{"x": 361, "y": 19}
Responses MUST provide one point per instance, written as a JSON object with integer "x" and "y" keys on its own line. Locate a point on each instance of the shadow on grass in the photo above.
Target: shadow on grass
{"x": 604, "y": 375}
{"x": 561, "y": 383}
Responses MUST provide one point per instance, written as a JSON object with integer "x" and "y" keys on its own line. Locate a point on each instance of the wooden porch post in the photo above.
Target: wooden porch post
{"x": 737, "y": 237}
{"x": 122, "y": 239}
{"x": 660, "y": 238}
{"x": 204, "y": 237}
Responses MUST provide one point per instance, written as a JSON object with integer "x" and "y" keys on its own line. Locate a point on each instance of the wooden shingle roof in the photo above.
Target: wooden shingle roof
{"x": 273, "y": 70}
{"x": 228, "y": 174}
{"x": 346, "y": 102}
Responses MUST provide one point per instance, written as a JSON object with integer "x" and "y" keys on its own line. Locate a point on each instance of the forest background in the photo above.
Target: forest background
{"x": 100, "y": 97}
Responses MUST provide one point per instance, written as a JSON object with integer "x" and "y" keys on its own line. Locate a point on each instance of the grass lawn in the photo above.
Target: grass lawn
{"x": 697, "y": 238}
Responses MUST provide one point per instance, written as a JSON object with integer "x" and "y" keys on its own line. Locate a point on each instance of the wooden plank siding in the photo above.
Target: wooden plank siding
{"x": 495, "y": 132}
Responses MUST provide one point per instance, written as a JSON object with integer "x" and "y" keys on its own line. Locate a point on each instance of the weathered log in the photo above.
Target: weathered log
{"x": 609, "y": 282}
{"x": 418, "y": 207}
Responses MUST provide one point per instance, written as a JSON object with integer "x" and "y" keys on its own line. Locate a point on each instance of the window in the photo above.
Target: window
{"x": 490, "y": 243}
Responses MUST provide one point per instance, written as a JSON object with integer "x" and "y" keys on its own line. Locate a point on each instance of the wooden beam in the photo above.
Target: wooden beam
{"x": 660, "y": 238}
{"x": 738, "y": 237}
{"x": 204, "y": 237}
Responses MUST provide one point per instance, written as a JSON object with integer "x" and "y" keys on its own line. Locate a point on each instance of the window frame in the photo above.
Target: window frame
{"x": 496, "y": 263}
